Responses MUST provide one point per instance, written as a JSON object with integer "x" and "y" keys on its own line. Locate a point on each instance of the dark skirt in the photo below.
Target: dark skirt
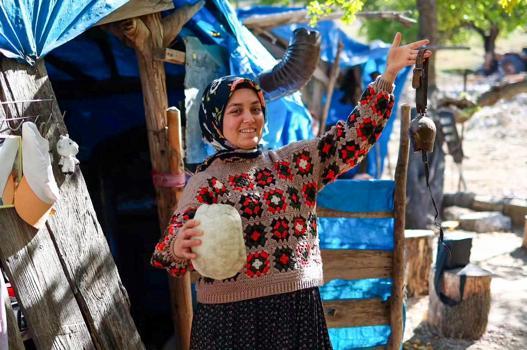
{"x": 285, "y": 321}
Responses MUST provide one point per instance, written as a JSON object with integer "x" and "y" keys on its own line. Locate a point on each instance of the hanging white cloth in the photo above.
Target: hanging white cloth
{"x": 8, "y": 152}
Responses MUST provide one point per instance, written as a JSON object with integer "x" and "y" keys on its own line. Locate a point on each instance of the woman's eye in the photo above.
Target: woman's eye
{"x": 257, "y": 110}
{"x": 235, "y": 111}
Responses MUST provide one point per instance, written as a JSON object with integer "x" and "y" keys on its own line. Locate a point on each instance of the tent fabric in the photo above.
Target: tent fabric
{"x": 362, "y": 199}
{"x": 29, "y": 29}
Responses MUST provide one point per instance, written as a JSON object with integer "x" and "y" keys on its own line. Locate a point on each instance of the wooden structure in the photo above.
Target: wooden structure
{"x": 359, "y": 264}
{"x": 467, "y": 320}
{"x": 64, "y": 274}
{"x": 418, "y": 261}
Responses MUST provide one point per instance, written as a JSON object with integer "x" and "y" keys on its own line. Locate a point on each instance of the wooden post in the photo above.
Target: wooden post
{"x": 333, "y": 75}
{"x": 64, "y": 274}
{"x": 397, "y": 298}
{"x": 182, "y": 285}
{"x": 148, "y": 35}
{"x": 467, "y": 320}
{"x": 418, "y": 260}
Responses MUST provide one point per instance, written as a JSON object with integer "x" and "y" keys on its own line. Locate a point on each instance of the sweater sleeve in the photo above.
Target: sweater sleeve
{"x": 345, "y": 144}
{"x": 162, "y": 257}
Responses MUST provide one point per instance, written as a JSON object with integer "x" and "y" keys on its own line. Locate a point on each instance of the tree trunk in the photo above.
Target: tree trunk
{"x": 428, "y": 30}
{"x": 467, "y": 320}
{"x": 418, "y": 260}
{"x": 489, "y": 40}
{"x": 65, "y": 277}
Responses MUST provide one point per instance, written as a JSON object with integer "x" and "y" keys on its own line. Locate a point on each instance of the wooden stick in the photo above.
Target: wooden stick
{"x": 331, "y": 86}
{"x": 525, "y": 233}
{"x": 401, "y": 169}
{"x": 181, "y": 286}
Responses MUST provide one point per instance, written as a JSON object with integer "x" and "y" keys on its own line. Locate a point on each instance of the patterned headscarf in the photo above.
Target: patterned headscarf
{"x": 213, "y": 103}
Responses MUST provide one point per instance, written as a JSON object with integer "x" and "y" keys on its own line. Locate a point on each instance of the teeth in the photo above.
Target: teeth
{"x": 247, "y": 131}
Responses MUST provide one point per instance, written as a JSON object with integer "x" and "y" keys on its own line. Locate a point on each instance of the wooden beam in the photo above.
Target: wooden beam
{"x": 505, "y": 91}
{"x": 148, "y": 35}
{"x": 170, "y": 56}
{"x": 136, "y": 8}
{"x": 330, "y": 213}
{"x": 356, "y": 264}
{"x": 354, "y": 313}
{"x": 401, "y": 172}
{"x": 301, "y": 16}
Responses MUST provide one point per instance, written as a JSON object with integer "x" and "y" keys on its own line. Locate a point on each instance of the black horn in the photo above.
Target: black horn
{"x": 296, "y": 67}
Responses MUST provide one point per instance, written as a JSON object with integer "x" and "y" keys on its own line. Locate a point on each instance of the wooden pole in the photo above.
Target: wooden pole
{"x": 149, "y": 35}
{"x": 331, "y": 86}
{"x": 397, "y": 298}
{"x": 182, "y": 285}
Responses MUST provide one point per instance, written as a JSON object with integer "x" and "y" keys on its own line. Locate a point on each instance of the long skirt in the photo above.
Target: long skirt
{"x": 287, "y": 321}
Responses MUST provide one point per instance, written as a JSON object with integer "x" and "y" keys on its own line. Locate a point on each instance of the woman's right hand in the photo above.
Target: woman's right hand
{"x": 181, "y": 246}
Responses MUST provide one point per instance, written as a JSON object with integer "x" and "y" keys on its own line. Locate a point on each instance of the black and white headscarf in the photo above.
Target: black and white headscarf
{"x": 213, "y": 103}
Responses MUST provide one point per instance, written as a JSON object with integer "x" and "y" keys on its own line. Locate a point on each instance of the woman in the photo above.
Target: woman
{"x": 274, "y": 302}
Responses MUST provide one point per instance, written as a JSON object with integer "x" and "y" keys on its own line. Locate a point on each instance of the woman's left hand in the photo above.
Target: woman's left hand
{"x": 402, "y": 56}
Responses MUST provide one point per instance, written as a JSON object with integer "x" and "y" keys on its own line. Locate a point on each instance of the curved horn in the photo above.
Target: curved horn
{"x": 296, "y": 66}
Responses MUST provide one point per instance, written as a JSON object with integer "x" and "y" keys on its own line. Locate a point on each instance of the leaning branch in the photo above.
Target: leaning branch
{"x": 507, "y": 91}
{"x": 301, "y": 16}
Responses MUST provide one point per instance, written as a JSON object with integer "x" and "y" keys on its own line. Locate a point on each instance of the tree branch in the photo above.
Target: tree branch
{"x": 173, "y": 23}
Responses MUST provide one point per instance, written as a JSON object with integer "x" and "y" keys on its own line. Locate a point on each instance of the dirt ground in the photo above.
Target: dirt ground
{"x": 495, "y": 144}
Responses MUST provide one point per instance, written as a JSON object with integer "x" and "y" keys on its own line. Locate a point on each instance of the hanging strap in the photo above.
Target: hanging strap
{"x": 420, "y": 82}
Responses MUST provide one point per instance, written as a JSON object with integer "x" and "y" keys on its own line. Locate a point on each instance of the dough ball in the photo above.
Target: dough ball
{"x": 222, "y": 252}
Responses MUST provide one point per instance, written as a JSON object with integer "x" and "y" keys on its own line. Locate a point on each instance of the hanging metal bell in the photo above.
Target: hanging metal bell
{"x": 422, "y": 133}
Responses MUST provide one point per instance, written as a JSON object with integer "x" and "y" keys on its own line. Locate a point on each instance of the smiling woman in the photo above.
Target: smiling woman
{"x": 244, "y": 119}
{"x": 273, "y": 301}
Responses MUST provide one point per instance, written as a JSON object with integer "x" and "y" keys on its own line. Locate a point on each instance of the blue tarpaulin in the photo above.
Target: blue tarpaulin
{"x": 29, "y": 29}
{"x": 357, "y": 233}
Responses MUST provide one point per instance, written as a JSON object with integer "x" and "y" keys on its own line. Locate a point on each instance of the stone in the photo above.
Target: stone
{"x": 485, "y": 221}
{"x": 454, "y": 213}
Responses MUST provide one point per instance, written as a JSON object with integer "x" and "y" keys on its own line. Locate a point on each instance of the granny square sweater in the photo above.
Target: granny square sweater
{"x": 275, "y": 194}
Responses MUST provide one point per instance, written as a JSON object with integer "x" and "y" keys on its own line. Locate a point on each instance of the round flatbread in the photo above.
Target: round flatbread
{"x": 222, "y": 253}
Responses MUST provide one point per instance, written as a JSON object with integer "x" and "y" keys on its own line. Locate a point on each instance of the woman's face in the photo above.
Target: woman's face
{"x": 243, "y": 119}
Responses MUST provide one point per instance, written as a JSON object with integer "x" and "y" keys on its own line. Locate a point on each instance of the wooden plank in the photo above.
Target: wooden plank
{"x": 34, "y": 268}
{"x": 136, "y": 8}
{"x": 353, "y": 313}
{"x": 330, "y": 213}
{"x": 67, "y": 281}
{"x": 333, "y": 75}
{"x": 89, "y": 265}
{"x": 170, "y": 56}
{"x": 356, "y": 264}
{"x": 401, "y": 171}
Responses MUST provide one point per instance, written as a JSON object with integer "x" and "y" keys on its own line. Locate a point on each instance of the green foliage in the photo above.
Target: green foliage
{"x": 455, "y": 15}
{"x": 317, "y": 9}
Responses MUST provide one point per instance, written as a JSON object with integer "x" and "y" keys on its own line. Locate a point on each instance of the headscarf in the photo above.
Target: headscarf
{"x": 211, "y": 113}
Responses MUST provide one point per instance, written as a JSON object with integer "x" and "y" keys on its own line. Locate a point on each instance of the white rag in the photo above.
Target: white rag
{"x": 8, "y": 151}
{"x": 36, "y": 164}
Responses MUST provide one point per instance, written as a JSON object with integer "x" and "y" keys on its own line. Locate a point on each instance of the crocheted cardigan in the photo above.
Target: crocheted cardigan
{"x": 276, "y": 194}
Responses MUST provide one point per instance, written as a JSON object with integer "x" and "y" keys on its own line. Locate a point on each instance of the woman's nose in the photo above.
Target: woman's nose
{"x": 248, "y": 117}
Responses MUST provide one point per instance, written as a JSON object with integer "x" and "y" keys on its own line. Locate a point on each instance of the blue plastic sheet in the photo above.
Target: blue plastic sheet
{"x": 361, "y": 196}
{"x": 344, "y": 233}
{"x": 29, "y": 29}
{"x": 367, "y": 288}
{"x": 359, "y": 337}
